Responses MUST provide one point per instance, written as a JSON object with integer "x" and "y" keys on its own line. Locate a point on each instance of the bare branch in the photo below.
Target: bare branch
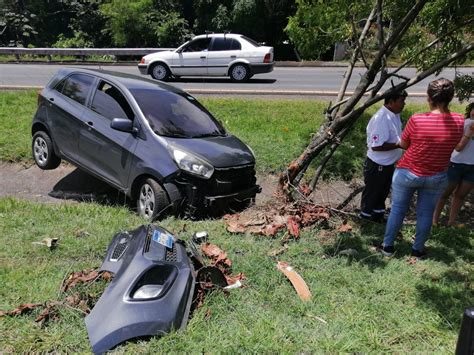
{"x": 350, "y": 67}
{"x": 416, "y": 79}
{"x": 430, "y": 45}
{"x": 359, "y": 47}
{"x": 388, "y": 47}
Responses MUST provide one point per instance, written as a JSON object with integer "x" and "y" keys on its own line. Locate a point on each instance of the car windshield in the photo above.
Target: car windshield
{"x": 176, "y": 114}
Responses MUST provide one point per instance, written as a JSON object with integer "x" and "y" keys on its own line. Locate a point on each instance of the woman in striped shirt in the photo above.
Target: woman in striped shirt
{"x": 429, "y": 139}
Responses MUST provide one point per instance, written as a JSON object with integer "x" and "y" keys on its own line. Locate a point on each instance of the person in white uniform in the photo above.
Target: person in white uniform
{"x": 383, "y": 135}
{"x": 460, "y": 171}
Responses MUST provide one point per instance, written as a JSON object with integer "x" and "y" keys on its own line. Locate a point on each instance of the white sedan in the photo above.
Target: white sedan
{"x": 232, "y": 55}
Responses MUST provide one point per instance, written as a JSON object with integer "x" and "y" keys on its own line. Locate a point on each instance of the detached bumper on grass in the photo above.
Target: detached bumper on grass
{"x": 151, "y": 292}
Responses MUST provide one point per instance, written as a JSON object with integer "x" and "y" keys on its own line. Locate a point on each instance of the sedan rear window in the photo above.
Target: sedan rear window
{"x": 176, "y": 115}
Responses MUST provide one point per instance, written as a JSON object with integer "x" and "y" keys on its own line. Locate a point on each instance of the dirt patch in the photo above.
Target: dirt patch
{"x": 67, "y": 184}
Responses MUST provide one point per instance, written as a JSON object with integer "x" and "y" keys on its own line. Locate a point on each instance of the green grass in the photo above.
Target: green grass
{"x": 370, "y": 303}
{"x": 277, "y": 130}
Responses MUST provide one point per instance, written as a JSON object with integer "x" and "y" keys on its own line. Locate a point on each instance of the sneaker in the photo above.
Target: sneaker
{"x": 387, "y": 250}
{"x": 418, "y": 254}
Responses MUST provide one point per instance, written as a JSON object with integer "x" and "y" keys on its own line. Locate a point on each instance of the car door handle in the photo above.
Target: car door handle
{"x": 51, "y": 99}
{"x": 90, "y": 123}
{"x": 203, "y": 57}
{"x": 233, "y": 56}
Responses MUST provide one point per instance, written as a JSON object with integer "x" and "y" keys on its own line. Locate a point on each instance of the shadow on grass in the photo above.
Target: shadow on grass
{"x": 83, "y": 187}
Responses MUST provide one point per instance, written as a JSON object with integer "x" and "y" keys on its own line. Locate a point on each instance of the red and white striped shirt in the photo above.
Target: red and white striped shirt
{"x": 431, "y": 138}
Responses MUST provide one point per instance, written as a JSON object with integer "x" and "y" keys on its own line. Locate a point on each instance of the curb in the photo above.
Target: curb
{"x": 230, "y": 91}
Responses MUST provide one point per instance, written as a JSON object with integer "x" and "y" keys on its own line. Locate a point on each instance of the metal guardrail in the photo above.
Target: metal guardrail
{"x": 81, "y": 52}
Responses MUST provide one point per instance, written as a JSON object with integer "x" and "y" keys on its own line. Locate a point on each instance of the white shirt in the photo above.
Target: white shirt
{"x": 384, "y": 127}
{"x": 465, "y": 156}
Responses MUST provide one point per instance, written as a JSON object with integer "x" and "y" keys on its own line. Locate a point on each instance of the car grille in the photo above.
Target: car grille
{"x": 120, "y": 248}
{"x": 171, "y": 254}
{"x": 146, "y": 245}
{"x": 227, "y": 181}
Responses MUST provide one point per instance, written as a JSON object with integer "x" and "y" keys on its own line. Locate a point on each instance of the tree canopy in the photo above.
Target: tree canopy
{"x": 137, "y": 23}
{"x": 428, "y": 34}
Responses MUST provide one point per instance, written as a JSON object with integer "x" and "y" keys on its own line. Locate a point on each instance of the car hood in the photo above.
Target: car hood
{"x": 162, "y": 54}
{"x": 220, "y": 152}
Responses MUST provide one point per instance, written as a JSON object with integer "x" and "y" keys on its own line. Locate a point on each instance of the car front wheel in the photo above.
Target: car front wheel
{"x": 160, "y": 71}
{"x": 152, "y": 200}
{"x": 239, "y": 73}
{"x": 43, "y": 151}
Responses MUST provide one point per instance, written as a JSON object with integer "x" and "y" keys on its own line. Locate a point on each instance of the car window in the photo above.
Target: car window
{"x": 235, "y": 45}
{"x": 198, "y": 45}
{"x": 109, "y": 102}
{"x": 224, "y": 44}
{"x": 176, "y": 115}
{"x": 77, "y": 87}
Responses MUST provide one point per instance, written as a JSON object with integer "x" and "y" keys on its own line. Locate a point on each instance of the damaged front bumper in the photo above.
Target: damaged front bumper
{"x": 227, "y": 188}
{"x": 151, "y": 292}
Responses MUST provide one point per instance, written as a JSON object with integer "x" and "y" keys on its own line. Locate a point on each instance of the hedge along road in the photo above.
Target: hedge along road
{"x": 288, "y": 80}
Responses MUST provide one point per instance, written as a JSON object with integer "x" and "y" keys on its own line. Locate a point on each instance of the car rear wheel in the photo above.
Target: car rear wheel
{"x": 43, "y": 151}
{"x": 152, "y": 200}
{"x": 239, "y": 73}
{"x": 160, "y": 71}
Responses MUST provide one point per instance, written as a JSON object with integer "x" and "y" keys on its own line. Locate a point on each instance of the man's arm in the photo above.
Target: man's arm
{"x": 386, "y": 146}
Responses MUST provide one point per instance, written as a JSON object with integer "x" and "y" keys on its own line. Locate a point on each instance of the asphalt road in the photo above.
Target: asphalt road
{"x": 282, "y": 81}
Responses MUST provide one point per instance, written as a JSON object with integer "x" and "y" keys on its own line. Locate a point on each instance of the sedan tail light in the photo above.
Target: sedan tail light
{"x": 266, "y": 59}
{"x": 142, "y": 61}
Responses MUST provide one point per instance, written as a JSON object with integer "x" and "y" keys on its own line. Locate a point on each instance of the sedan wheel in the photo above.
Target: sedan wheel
{"x": 239, "y": 73}
{"x": 159, "y": 71}
{"x": 152, "y": 200}
{"x": 43, "y": 152}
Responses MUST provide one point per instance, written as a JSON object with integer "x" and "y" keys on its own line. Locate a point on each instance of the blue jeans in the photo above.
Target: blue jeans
{"x": 404, "y": 185}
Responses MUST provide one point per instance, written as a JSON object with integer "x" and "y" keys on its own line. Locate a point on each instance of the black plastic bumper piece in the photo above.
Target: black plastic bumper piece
{"x": 143, "y": 68}
{"x": 151, "y": 292}
{"x": 211, "y": 201}
{"x": 465, "y": 345}
{"x": 261, "y": 68}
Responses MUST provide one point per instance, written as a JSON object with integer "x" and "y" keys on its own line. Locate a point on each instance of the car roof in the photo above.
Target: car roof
{"x": 230, "y": 35}
{"x": 129, "y": 81}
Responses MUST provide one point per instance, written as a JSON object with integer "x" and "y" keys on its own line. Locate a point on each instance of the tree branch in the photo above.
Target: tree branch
{"x": 350, "y": 67}
{"x": 393, "y": 40}
{"x": 430, "y": 45}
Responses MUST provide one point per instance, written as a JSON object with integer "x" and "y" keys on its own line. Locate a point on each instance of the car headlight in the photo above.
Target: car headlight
{"x": 192, "y": 164}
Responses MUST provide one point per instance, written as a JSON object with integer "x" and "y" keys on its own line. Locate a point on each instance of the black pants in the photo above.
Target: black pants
{"x": 377, "y": 179}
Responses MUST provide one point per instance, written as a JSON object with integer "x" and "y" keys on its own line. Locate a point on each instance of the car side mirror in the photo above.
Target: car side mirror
{"x": 123, "y": 125}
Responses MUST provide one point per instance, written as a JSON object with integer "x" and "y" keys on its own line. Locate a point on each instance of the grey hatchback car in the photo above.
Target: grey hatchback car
{"x": 154, "y": 142}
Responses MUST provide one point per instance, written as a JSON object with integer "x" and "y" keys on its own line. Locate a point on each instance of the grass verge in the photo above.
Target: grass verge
{"x": 360, "y": 303}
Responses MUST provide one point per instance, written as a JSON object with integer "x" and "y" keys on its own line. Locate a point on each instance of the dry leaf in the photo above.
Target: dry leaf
{"x": 296, "y": 280}
{"x": 21, "y": 309}
{"x": 79, "y": 277}
{"x": 344, "y": 228}
{"x": 292, "y": 225}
